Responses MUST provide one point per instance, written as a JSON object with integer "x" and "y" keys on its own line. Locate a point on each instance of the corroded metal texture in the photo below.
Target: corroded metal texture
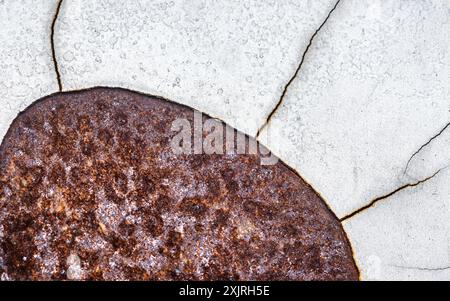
{"x": 90, "y": 189}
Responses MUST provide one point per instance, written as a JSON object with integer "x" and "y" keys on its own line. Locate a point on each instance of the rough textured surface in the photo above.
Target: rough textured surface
{"x": 406, "y": 236}
{"x": 229, "y": 59}
{"x": 373, "y": 88}
{"x": 25, "y": 56}
{"x": 90, "y": 189}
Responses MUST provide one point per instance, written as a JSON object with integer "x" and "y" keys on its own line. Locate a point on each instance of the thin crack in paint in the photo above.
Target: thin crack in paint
{"x": 52, "y": 41}
{"x": 421, "y": 268}
{"x": 424, "y": 145}
{"x": 280, "y": 100}
{"x": 373, "y": 202}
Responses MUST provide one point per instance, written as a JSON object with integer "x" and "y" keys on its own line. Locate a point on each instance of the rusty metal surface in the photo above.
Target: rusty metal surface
{"x": 90, "y": 189}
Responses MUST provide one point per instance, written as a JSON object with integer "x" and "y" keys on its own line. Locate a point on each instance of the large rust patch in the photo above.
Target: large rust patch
{"x": 90, "y": 189}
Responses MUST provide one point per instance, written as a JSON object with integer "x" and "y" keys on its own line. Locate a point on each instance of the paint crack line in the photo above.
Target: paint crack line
{"x": 52, "y": 41}
{"x": 374, "y": 201}
{"x": 280, "y": 100}
{"x": 424, "y": 145}
{"x": 422, "y": 268}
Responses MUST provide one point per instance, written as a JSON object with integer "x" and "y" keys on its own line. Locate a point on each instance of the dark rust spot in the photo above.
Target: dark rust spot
{"x": 194, "y": 206}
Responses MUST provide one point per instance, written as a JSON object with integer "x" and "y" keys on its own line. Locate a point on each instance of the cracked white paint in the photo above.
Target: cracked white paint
{"x": 229, "y": 59}
{"x": 433, "y": 156}
{"x": 25, "y": 56}
{"x": 373, "y": 88}
{"x": 405, "y": 236}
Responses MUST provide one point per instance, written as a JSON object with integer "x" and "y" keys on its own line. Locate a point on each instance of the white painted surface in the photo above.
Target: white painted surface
{"x": 406, "y": 236}
{"x": 229, "y": 59}
{"x": 374, "y": 87}
{"x": 25, "y": 56}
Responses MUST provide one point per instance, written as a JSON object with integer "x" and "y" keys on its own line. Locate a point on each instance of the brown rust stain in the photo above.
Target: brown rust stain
{"x": 90, "y": 189}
